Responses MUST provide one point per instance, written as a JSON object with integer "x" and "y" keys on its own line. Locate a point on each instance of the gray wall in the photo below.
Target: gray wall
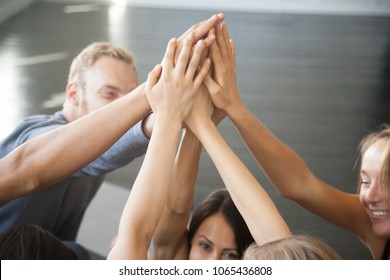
{"x": 8, "y": 8}
{"x": 355, "y": 7}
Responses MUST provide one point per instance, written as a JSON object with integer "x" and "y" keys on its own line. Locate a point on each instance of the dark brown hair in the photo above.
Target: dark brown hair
{"x": 220, "y": 201}
{"x": 31, "y": 242}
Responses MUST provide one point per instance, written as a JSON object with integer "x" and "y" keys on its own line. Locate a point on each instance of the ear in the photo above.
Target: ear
{"x": 72, "y": 93}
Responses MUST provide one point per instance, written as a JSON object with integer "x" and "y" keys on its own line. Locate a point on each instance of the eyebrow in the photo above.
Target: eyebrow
{"x": 230, "y": 249}
{"x": 208, "y": 240}
{"x": 109, "y": 87}
{"x": 225, "y": 249}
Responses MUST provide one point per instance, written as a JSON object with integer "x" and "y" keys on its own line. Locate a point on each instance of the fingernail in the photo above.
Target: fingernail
{"x": 190, "y": 37}
{"x": 200, "y": 43}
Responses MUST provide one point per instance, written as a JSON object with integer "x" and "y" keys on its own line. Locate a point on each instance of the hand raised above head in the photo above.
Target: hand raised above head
{"x": 173, "y": 91}
{"x": 222, "y": 84}
{"x": 200, "y": 31}
{"x": 201, "y": 111}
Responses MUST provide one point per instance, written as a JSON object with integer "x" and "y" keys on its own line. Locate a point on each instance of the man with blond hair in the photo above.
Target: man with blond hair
{"x": 99, "y": 75}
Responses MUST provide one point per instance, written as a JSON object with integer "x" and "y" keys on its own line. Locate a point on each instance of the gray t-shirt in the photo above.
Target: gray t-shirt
{"x": 60, "y": 208}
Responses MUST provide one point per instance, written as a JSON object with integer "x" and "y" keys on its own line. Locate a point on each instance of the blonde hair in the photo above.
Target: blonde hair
{"x": 297, "y": 247}
{"x": 88, "y": 56}
{"x": 384, "y": 173}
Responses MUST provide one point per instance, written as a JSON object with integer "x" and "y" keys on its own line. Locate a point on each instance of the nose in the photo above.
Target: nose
{"x": 373, "y": 194}
{"x": 215, "y": 256}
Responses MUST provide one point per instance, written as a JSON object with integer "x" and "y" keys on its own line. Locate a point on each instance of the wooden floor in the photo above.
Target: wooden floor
{"x": 318, "y": 82}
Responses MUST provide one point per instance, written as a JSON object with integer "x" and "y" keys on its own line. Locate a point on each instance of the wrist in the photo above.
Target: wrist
{"x": 201, "y": 126}
{"x": 237, "y": 111}
{"x": 166, "y": 121}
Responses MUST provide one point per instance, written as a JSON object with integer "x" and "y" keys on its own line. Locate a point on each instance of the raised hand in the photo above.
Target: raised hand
{"x": 174, "y": 92}
{"x": 222, "y": 84}
{"x": 202, "y": 110}
{"x": 200, "y": 31}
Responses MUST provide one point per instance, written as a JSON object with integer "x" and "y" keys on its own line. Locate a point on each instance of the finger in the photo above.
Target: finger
{"x": 199, "y": 30}
{"x": 207, "y": 43}
{"x": 194, "y": 62}
{"x": 225, "y": 34}
{"x": 205, "y": 26}
{"x": 209, "y": 40}
{"x": 210, "y": 84}
{"x": 215, "y": 55}
{"x": 189, "y": 30}
{"x": 202, "y": 73}
{"x": 185, "y": 54}
{"x": 170, "y": 54}
{"x": 221, "y": 41}
{"x": 153, "y": 77}
{"x": 233, "y": 48}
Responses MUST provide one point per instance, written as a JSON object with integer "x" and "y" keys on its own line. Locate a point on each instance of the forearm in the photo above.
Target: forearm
{"x": 174, "y": 220}
{"x": 56, "y": 155}
{"x": 286, "y": 170}
{"x": 185, "y": 171}
{"x": 151, "y": 187}
{"x": 254, "y": 204}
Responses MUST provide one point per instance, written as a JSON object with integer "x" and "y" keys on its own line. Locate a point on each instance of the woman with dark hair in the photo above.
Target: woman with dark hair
{"x": 31, "y": 242}
{"x": 216, "y": 229}
{"x": 218, "y": 203}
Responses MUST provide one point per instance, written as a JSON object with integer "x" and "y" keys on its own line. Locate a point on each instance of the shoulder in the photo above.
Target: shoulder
{"x": 35, "y": 125}
{"x": 29, "y": 128}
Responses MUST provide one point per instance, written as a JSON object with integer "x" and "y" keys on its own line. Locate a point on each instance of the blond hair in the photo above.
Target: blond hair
{"x": 384, "y": 173}
{"x": 88, "y": 56}
{"x": 297, "y": 247}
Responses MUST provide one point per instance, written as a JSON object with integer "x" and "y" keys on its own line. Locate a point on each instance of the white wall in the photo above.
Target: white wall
{"x": 363, "y": 7}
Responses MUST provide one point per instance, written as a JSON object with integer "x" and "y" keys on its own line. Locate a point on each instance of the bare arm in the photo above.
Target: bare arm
{"x": 287, "y": 171}
{"x": 254, "y": 204}
{"x": 25, "y": 170}
{"x": 171, "y": 98}
{"x": 51, "y": 157}
{"x": 170, "y": 237}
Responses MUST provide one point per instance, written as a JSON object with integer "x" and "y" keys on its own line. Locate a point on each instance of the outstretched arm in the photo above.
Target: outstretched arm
{"x": 51, "y": 157}
{"x": 69, "y": 148}
{"x": 254, "y": 204}
{"x": 170, "y": 237}
{"x": 171, "y": 99}
{"x": 287, "y": 171}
